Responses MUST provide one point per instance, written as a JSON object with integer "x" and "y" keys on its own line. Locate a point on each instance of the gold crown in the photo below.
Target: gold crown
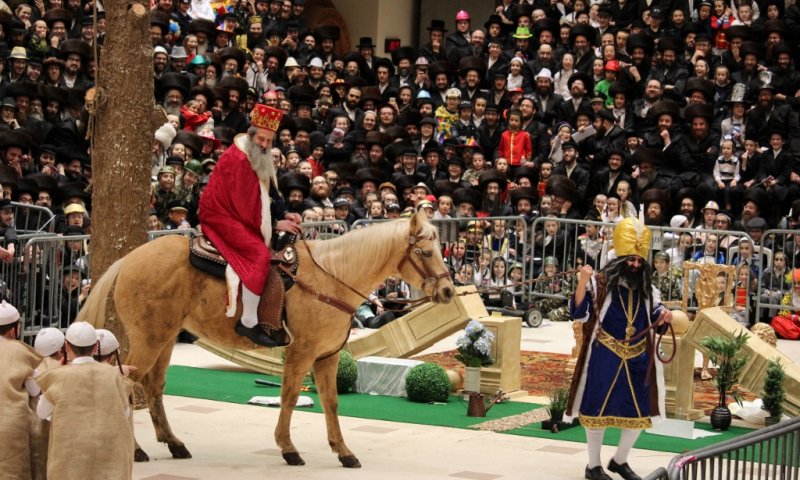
{"x": 266, "y": 117}
{"x": 631, "y": 237}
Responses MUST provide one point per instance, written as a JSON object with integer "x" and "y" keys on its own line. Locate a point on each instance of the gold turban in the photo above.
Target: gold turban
{"x": 632, "y": 237}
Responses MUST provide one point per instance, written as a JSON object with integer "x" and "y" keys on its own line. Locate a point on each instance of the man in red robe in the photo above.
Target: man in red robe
{"x": 237, "y": 211}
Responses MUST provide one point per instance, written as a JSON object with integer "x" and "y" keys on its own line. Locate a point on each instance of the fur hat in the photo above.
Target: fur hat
{"x": 520, "y": 193}
{"x": 666, "y": 107}
{"x": 492, "y": 176}
{"x": 702, "y": 85}
{"x": 234, "y": 53}
{"x": 403, "y": 53}
{"x": 467, "y": 195}
{"x": 472, "y": 63}
{"x": 562, "y": 186}
{"x": 704, "y": 110}
{"x": 657, "y": 195}
{"x": 368, "y": 174}
{"x": 294, "y": 181}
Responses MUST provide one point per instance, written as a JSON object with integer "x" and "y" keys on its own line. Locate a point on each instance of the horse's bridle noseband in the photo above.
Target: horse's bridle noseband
{"x": 429, "y": 277}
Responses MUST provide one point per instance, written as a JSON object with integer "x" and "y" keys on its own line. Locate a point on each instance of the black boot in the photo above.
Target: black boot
{"x": 596, "y": 473}
{"x": 623, "y": 470}
{"x": 259, "y": 336}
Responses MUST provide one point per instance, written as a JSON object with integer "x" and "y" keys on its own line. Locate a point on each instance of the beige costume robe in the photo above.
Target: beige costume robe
{"x": 40, "y": 429}
{"x": 91, "y": 435}
{"x": 17, "y": 363}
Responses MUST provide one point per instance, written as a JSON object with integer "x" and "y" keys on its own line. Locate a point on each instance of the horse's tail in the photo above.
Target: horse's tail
{"x": 94, "y": 309}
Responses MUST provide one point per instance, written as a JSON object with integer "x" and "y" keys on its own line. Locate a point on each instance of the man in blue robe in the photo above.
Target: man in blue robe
{"x": 616, "y": 382}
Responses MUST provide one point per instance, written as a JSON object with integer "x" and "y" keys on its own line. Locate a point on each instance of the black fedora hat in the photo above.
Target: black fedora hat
{"x": 365, "y": 42}
{"x": 189, "y": 139}
{"x": 437, "y": 26}
{"x": 173, "y": 81}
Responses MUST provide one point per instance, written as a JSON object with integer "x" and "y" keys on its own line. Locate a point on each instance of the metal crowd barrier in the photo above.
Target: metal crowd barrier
{"x": 324, "y": 230}
{"x": 770, "y": 453}
{"x": 772, "y": 285}
{"x": 572, "y": 243}
{"x": 187, "y": 232}
{"x": 32, "y": 218}
{"x": 46, "y": 300}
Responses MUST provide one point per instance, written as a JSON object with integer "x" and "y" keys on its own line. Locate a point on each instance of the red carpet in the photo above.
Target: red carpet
{"x": 544, "y": 372}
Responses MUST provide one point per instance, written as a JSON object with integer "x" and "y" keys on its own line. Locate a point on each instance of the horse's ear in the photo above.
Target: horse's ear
{"x": 416, "y": 223}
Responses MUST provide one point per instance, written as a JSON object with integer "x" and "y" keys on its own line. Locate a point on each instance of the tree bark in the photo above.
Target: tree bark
{"x": 123, "y": 136}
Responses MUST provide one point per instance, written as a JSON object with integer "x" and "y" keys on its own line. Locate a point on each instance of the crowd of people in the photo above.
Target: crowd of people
{"x": 578, "y": 110}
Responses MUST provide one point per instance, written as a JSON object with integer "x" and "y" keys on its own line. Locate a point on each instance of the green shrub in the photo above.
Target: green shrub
{"x": 774, "y": 395}
{"x": 347, "y": 373}
{"x": 427, "y": 383}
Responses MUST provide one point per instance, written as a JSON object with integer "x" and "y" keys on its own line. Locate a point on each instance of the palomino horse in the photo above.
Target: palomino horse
{"x": 157, "y": 293}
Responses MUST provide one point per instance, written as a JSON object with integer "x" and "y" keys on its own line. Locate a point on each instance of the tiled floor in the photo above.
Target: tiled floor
{"x": 234, "y": 442}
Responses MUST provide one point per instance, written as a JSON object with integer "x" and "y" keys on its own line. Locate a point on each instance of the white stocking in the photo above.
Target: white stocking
{"x": 249, "y": 308}
{"x": 594, "y": 441}
{"x": 627, "y": 438}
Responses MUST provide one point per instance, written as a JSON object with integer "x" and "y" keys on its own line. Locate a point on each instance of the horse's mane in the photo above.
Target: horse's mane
{"x": 371, "y": 245}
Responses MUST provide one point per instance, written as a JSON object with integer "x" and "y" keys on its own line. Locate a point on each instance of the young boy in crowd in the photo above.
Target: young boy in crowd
{"x": 665, "y": 279}
{"x": 7, "y": 231}
{"x": 515, "y": 144}
{"x": 726, "y": 173}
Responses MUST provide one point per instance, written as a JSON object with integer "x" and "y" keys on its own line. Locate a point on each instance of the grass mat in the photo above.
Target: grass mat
{"x": 238, "y": 387}
{"x": 646, "y": 440}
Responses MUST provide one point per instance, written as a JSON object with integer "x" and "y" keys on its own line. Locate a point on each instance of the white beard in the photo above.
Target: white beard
{"x": 261, "y": 161}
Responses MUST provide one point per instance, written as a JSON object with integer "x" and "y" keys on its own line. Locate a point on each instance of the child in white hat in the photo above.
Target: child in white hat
{"x": 49, "y": 343}
{"x": 16, "y": 386}
{"x": 108, "y": 351}
{"x": 90, "y": 405}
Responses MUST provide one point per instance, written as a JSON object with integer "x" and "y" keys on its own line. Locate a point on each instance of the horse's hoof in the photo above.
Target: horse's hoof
{"x": 293, "y": 458}
{"x": 179, "y": 451}
{"x": 140, "y": 455}
{"x": 350, "y": 461}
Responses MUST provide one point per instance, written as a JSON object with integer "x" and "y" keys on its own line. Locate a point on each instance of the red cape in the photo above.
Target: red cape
{"x": 231, "y": 216}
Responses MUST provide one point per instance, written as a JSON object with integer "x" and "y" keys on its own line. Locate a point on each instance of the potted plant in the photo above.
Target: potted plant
{"x": 474, "y": 350}
{"x": 556, "y": 409}
{"x": 725, "y": 354}
{"x": 774, "y": 395}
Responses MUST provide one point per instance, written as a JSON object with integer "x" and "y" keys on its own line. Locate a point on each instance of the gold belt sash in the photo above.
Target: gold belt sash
{"x": 620, "y": 348}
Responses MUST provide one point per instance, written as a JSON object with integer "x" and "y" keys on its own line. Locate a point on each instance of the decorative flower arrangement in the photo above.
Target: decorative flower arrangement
{"x": 475, "y": 346}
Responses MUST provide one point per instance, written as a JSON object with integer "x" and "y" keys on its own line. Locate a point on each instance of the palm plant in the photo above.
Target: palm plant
{"x": 725, "y": 353}
{"x": 558, "y": 403}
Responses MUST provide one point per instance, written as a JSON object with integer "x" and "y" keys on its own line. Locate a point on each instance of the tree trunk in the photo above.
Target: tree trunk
{"x": 123, "y": 136}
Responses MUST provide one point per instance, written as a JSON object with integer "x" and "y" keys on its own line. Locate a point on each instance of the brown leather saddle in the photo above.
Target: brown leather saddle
{"x": 204, "y": 256}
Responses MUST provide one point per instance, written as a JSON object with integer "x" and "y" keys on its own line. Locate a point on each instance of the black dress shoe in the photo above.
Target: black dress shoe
{"x": 623, "y": 470}
{"x": 596, "y": 473}
{"x": 258, "y": 336}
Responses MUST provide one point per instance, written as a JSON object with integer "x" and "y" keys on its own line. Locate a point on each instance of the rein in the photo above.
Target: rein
{"x": 430, "y": 278}
{"x": 657, "y": 349}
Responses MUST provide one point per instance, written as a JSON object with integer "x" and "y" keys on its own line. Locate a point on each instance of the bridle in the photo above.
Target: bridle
{"x": 430, "y": 278}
